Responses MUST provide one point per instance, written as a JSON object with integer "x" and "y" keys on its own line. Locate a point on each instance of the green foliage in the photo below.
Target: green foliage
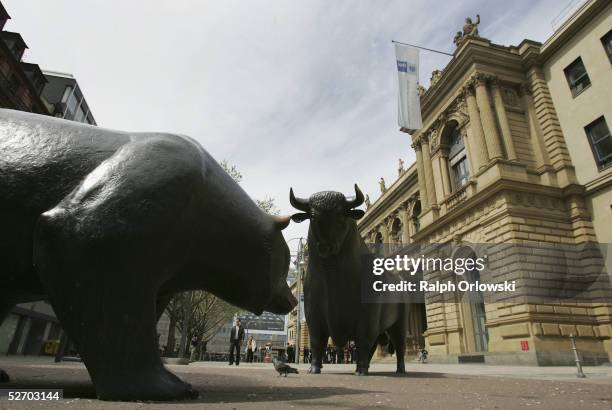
{"x": 267, "y": 204}
{"x": 232, "y": 171}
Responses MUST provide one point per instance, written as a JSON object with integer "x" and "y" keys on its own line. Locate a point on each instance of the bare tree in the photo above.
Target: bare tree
{"x": 232, "y": 171}
{"x": 267, "y": 203}
{"x": 206, "y": 316}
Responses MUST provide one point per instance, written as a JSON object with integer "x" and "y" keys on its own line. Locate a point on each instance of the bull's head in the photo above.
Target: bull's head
{"x": 331, "y": 215}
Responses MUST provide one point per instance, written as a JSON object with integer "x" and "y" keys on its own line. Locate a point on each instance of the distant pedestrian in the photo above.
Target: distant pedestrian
{"x": 422, "y": 355}
{"x": 236, "y": 338}
{"x": 290, "y": 353}
{"x": 251, "y": 347}
{"x": 194, "y": 346}
{"x": 306, "y": 355}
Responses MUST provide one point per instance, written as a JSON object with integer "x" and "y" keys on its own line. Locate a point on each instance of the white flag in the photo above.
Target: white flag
{"x": 408, "y": 102}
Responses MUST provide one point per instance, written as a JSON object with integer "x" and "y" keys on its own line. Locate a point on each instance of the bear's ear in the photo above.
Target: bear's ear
{"x": 281, "y": 221}
{"x": 300, "y": 217}
{"x": 355, "y": 213}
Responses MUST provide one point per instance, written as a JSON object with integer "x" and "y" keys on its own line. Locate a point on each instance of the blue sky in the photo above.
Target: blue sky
{"x": 295, "y": 93}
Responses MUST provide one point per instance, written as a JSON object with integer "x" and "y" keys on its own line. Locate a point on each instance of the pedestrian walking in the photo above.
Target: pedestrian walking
{"x": 236, "y": 338}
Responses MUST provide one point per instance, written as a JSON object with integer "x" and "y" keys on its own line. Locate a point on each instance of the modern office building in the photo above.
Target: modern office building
{"x": 66, "y": 98}
{"x": 266, "y": 328}
{"x": 515, "y": 148}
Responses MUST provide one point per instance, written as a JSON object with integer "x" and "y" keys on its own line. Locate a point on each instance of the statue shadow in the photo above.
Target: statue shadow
{"x": 239, "y": 394}
{"x": 224, "y": 390}
{"x": 415, "y": 375}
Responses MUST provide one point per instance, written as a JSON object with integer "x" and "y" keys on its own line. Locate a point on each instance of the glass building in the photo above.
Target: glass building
{"x": 62, "y": 91}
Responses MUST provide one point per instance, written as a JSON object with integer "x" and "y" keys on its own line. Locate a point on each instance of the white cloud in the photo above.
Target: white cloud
{"x": 296, "y": 93}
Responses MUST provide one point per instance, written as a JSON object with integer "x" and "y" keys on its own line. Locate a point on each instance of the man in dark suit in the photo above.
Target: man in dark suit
{"x": 290, "y": 353}
{"x": 236, "y": 338}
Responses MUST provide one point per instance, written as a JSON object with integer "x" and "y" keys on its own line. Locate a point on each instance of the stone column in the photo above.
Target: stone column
{"x": 429, "y": 179}
{"x": 446, "y": 185}
{"x": 478, "y": 143}
{"x": 502, "y": 118}
{"x": 486, "y": 117}
{"x": 535, "y": 132}
{"x": 469, "y": 152}
{"x": 421, "y": 174}
{"x": 405, "y": 223}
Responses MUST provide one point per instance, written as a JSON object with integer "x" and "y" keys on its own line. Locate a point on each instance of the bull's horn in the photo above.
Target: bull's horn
{"x": 357, "y": 201}
{"x": 298, "y": 203}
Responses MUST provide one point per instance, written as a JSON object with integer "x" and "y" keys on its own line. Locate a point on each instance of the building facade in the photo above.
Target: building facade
{"x": 65, "y": 98}
{"x": 510, "y": 152}
{"x": 21, "y": 83}
{"x": 32, "y": 328}
{"x": 576, "y": 67}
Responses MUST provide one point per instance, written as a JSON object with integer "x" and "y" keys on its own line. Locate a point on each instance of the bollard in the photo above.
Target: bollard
{"x": 580, "y": 373}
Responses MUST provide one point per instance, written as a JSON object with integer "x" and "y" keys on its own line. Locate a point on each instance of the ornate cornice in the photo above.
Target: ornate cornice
{"x": 494, "y": 81}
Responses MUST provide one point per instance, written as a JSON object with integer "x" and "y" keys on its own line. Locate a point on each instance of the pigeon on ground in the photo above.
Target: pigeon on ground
{"x": 282, "y": 367}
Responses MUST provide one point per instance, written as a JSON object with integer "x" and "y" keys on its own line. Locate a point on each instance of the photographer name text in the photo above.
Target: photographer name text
{"x": 442, "y": 287}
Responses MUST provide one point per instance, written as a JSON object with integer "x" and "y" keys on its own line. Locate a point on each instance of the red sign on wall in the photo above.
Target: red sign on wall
{"x": 524, "y": 345}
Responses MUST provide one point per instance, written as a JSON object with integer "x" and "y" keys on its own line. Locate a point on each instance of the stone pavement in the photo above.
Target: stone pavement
{"x": 256, "y": 386}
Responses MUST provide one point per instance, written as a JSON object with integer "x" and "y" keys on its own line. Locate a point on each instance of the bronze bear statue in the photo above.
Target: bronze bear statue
{"x": 107, "y": 225}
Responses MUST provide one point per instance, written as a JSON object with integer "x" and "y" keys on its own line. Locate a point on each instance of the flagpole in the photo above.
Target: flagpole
{"x": 423, "y": 48}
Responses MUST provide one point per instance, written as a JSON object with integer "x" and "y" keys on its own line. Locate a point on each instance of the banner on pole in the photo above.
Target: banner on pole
{"x": 409, "y": 101}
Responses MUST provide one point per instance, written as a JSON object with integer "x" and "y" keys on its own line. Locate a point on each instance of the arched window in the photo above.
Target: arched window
{"x": 457, "y": 156}
{"x": 396, "y": 231}
{"x": 378, "y": 238}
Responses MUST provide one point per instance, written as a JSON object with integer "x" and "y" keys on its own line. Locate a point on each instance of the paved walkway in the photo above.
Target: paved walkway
{"x": 427, "y": 386}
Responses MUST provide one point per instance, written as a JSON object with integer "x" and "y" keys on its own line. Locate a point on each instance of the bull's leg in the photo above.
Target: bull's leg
{"x": 366, "y": 346}
{"x": 4, "y": 310}
{"x": 397, "y": 334}
{"x": 318, "y": 342}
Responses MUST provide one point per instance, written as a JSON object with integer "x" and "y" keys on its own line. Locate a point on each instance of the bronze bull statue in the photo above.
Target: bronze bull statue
{"x": 337, "y": 257}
